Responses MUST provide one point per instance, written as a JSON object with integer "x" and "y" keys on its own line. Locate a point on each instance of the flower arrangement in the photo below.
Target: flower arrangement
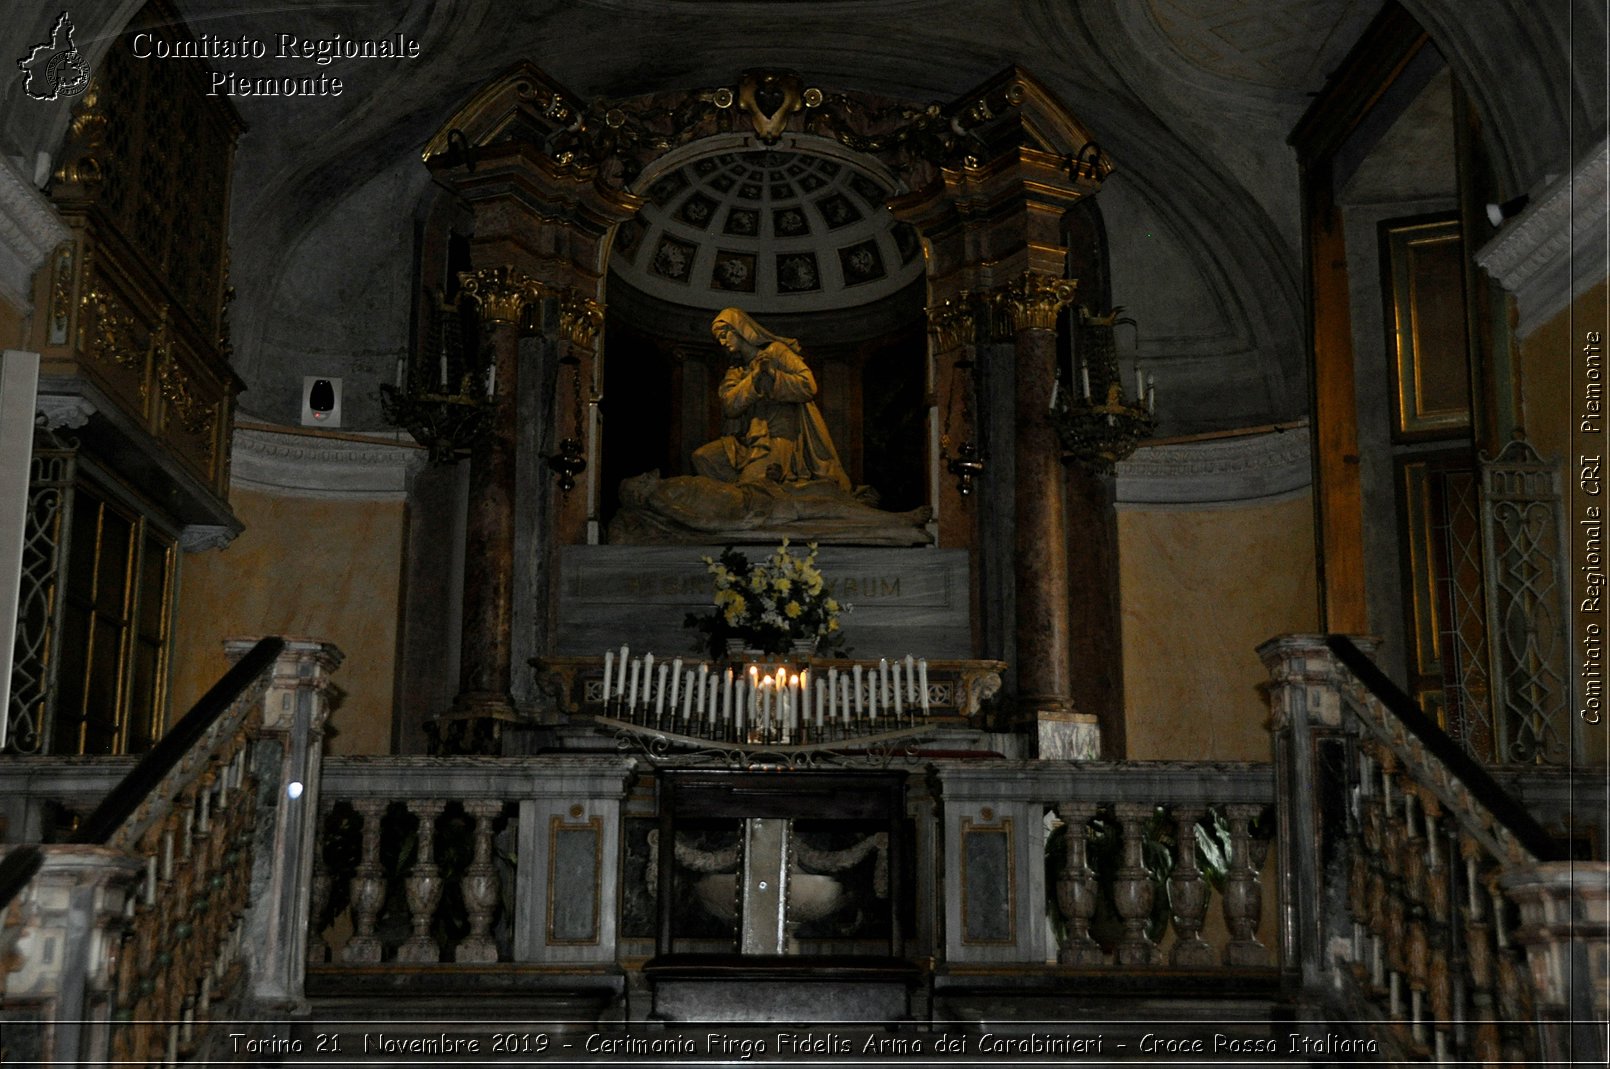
{"x": 771, "y": 605}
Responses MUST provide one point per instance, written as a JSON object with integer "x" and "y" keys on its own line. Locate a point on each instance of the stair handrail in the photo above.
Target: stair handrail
{"x": 1506, "y": 812}
{"x": 123, "y": 803}
{"x": 117, "y": 815}
{"x": 1463, "y": 924}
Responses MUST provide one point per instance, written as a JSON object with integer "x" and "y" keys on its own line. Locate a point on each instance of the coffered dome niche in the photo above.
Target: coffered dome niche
{"x": 800, "y": 236}
{"x": 800, "y": 227}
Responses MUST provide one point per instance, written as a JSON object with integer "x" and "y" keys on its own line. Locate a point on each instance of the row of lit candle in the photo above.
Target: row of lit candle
{"x": 767, "y": 698}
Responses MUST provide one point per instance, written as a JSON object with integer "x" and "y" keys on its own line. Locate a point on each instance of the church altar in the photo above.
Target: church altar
{"x": 951, "y": 694}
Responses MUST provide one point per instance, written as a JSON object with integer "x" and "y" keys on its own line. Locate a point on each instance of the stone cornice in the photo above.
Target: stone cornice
{"x": 305, "y": 465}
{"x": 1218, "y": 472}
{"x": 29, "y": 230}
{"x": 1555, "y": 250}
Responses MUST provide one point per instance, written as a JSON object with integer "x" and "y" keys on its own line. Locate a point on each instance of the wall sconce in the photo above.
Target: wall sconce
{"x": 967, "y": 465}
{"x": 444, "y": 403}
{"x": 1086, "y": 164}
{"x": 568, "y": 463}
{"x": 571, "y": 460}
{"x": 1097, "y": 426}
{"x": 968, "y": 462}
{"x": 1498, "y": 213}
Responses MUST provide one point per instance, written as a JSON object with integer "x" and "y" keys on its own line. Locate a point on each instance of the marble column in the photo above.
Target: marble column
{"x": 484, "y": 705}
{"x": 1026, "y": 309}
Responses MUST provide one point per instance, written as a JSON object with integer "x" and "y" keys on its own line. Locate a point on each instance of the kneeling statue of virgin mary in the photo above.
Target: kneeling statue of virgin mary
{"x": 775, "y": 472}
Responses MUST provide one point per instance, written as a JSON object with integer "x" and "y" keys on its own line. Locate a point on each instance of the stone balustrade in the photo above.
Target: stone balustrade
{"x": 467, "y": 860}
{"x": 1424, "y": 906}
{"x": 124, "y": 950}
{"x": 1130, "y": 884}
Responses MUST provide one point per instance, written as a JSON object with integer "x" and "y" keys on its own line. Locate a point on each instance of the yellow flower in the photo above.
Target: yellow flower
{"x": 782, "y": 586}
{"x": 830, "y": 605}
{"x": 791, "y": 610}
{"x": 832, "y": 625}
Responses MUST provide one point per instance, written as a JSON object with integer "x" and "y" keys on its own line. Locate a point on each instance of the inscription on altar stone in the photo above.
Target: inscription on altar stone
{"x": 905, "y": 600}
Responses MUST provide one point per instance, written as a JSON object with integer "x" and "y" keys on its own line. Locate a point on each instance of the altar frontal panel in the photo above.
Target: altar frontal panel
{"x": 905, "y": 600}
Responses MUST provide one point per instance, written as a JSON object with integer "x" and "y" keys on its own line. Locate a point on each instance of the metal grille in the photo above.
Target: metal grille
{"x": 1521, "y": 524}
{"x": 1463, "y": 638}
{"x": 34, "y": 662}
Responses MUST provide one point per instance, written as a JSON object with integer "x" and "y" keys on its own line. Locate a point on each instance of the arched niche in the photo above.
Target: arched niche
{"x": 798, "y": 234}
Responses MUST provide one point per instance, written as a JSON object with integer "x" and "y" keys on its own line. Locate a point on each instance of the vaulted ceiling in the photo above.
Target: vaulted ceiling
{"x": 1191, "y": 99}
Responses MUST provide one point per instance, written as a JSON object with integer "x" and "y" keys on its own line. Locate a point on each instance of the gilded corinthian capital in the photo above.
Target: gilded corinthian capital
{"x": 951, "y": 322}
{"x": 580, "y": 318}
{"x": 1030, "y": 302}
{"x": 501, "y": 293}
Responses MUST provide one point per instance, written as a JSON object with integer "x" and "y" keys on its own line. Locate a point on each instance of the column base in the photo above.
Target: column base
{"x": 474, "y": 726}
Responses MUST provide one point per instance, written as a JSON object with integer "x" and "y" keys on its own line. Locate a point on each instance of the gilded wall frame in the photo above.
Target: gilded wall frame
{"x": 1422, "y": 262}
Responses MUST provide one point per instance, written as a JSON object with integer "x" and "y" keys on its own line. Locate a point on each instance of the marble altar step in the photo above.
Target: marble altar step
{"x": 401, "y": 993}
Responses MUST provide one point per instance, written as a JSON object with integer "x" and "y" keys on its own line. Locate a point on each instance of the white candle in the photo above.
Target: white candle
{"x": 609, "y": 663}
{"x": 711, "y": 706}
{"x": 1084, "y": 374}
{"x": 631, "y": 695}
{"x": 648, "y": 678}
{"x": 832, "y": 693}
{"x": 1054, "y": 384}
{"x": 883, "y": 682}
{"x": 821, "y": 701}
{"x": 844, "y": 688}
{"x": 1140, "y": 384}
{"x": 659, "y": 691}
{"x": 858, "y": 688}
{"x": 922, "y": 683}
{"x": 620, "y": 683}
{"x": 1151, "y": 393}
{"x": 741, "y": 708}
{"x": 876, "y": 698}
{"x": 726, "y": 698}
{"x": 704, "y": 675}
{"x": 444, "y": 371}
{"x": 911, "y": 681}
{"x": 676, "y": 681}
{"x": 401, "y": 372}
{"x": 687, "y": 697}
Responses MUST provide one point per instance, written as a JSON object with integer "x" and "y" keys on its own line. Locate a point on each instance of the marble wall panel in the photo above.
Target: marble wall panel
{"x": 905, "y": 600}
{"x": 304, "y": 567}
{"x": 1200, "y": 591}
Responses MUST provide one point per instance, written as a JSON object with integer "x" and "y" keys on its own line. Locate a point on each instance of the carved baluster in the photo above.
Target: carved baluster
{"x": 1076, "y": 888}
{"x": 318, "y": 951}
{"x": 1188, "y": 893}
{"x": 1510, "y": 983}
{"x": 1132, "y": 889}
{"x": 424, "y": 885}
{"x": 1373, "y": 912}
{"x": 480, "y": 885}
{"x": 1439, "y": 919}
{"x": 1417, "y": 949}
{"x": 1243, "y": 895}
{"x": 368, "y": 886}
{"x": 1479, "y": 949}
{"x": 1394, "y": 934}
